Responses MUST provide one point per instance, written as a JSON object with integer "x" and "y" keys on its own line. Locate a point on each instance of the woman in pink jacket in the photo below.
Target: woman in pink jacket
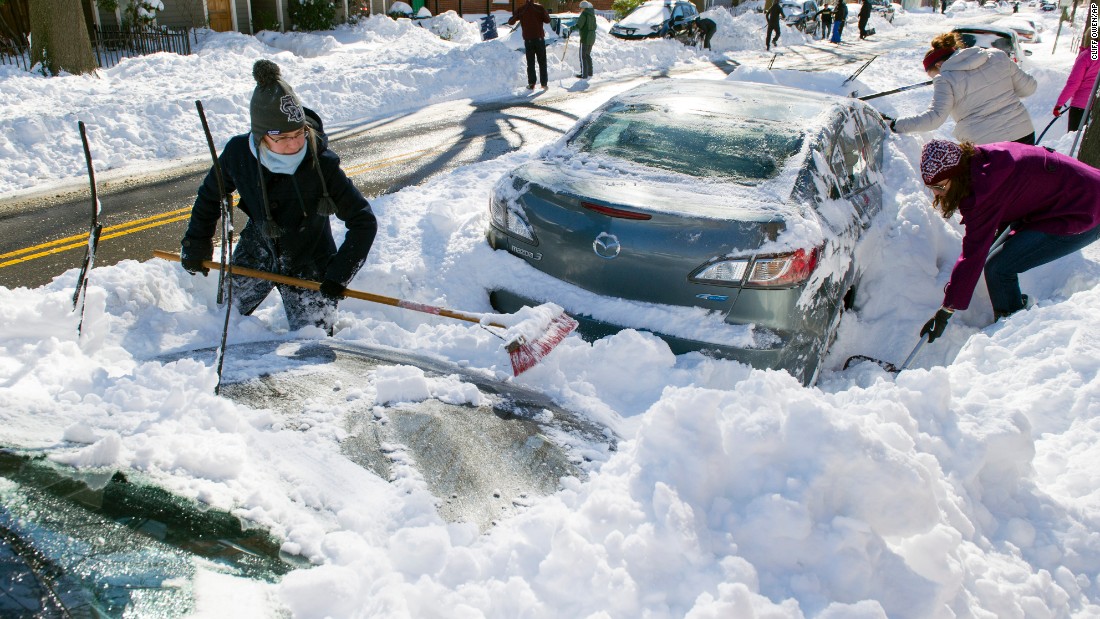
{"x": 1051, "y": 203}
{"x": 1078, "y": 87}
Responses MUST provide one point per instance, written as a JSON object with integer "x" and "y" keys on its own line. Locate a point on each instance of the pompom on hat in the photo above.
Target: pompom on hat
{"x": 939, "y": 160}
{"x": 274, "y": 108}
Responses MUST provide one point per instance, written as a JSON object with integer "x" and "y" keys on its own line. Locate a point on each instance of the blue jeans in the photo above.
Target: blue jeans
{"x": 536, "y": 50}
{"x": 1024, "y": 251}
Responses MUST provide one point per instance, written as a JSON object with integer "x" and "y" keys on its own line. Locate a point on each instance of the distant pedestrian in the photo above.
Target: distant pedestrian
{"x": 586, "y": 28}
{"x": 1050, "y": 201}
{"x": 531, "y": 17}
{"x": 840, "y": 15}
{"x": 774, "y": 14}
{"x": 864, "y": 15}
{"x": 705, "y": 27}
{"x": 826, "y": 21}
{"x": 979, "y": 88}
{"x": 1078, "y": 87}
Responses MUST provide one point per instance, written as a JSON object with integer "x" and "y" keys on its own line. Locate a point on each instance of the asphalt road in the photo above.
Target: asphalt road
{"x": 47, "y": 235}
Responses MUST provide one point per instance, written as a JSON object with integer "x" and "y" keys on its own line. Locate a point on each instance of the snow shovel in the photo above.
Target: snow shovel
{"x": 1051, "y": 124}
{"x": 532, "y": 339}
{"x": 886, "y": 365}
{"x": 894, "y": 91}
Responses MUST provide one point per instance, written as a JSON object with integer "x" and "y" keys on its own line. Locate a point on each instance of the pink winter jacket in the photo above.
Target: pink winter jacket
{"x": 1081, "y": 78}
{"x": 1028, "y": 186}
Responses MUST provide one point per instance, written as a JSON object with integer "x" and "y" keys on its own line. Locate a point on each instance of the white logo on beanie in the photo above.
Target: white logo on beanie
{"x": 289, "y": 106}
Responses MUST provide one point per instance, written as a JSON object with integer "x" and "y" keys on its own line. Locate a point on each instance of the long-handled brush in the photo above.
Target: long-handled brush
{"x": 527, "y": 341}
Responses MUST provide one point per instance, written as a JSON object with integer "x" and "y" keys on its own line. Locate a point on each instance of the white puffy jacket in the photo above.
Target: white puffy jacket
{"x": 981, "y": 89}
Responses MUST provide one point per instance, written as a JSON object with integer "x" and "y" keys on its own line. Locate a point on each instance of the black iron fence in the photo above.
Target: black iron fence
{"x": 110, "y": 44}
{"x": 15, "y": 53}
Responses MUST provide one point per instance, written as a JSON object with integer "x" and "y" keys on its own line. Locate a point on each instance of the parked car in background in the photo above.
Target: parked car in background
{"x": 993, "y": 37}
{"x": 886, "y": 9}
{"x": 657, "y": 19}
{"x": 802, "y": 15}
{"x": 733, "y": 206}
{"x": 1027, "y": 30}
{"x": 562, "y": 23}
{"x": 1048, "y": 6}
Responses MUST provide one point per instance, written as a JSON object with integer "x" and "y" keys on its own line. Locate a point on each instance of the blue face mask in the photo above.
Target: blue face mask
{"x": 279, "y": 164}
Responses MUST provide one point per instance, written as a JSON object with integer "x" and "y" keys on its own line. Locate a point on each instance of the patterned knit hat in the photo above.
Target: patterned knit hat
{"x": 939, "y": 160}
{"x": 275, "y": 108}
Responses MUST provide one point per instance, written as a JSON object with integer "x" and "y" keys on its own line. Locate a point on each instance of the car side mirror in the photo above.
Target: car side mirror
{"x": 1027, "y": 52}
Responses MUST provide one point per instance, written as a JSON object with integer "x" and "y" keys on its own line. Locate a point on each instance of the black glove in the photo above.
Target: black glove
{"x": 193, "y": 252}
{"x": 934, "y": 328}
{"x": 194, "y": 266}
{"x": 333, "y": 290}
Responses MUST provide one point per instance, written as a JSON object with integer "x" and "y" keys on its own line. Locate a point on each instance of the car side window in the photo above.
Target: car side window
{"x": 849, "y": 161}
{"x": 873, "y": 134}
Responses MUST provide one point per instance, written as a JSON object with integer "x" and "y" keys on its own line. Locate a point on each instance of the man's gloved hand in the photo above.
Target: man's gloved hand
{"x": 193, "y": 252}
{"x": 934, "y": 328}
{"x": 194, "y": 266}
{"x": 1058, "y": 111}
{"x": 333, "y": 290}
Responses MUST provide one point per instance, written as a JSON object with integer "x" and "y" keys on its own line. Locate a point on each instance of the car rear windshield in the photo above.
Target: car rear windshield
{"x": 698, "y": 143}
{"x": 987, "y": 40}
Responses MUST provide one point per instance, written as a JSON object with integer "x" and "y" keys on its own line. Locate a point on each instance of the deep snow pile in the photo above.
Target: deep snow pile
{"x": 967, "y": 486}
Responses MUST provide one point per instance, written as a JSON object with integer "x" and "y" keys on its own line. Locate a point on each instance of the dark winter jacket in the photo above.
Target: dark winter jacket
{"x": 1029, "y": 187}
{"x": 775, "y": 13}
{"x": 586, "y": 26}
{"x": 865, "y": 12}
{"x": 531, "y": 16}
{"x": 305, "y": 244}
{"x": 840, "y": 12}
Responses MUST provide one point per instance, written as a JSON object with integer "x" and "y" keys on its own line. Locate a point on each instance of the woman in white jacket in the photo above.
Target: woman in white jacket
{"x": 980, "y": 89}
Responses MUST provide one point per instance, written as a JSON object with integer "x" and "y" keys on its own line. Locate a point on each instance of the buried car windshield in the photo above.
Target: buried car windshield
{"x": 701, "y": 144}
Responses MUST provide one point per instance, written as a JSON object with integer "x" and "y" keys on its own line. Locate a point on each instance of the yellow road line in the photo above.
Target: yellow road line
{"x": 81, "y": 240}
{"x": 84, "y": 241}
{"x": 83, "y": 237}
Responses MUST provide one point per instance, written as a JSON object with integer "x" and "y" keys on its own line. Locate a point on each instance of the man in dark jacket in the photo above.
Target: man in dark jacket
{"x": 840, "y": 15}
{"x": 585, "y": 26}
{"x": 289, "y": 183}
{"x": 531, "y": 17}
{"x": 775, "y": 13}
{"x": 864, "y": 15}
{"x": 705, "y": 28}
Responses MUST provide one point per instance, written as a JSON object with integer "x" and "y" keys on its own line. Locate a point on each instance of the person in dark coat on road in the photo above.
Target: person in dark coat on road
{"x": 289, "y": 182}
{"x": 705, "y": 27}
{"x": 775, "y": 13}
{"x": 585, "y": 26}
{"x": 1038, "y": 206}
{"x": 864, "y": 16}
{"x": 840, "y": 15}
{"x": 531, "y": 17}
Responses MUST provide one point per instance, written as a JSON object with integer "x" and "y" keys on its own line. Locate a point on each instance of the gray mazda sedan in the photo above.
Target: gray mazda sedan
{"x": 720, "y": 215}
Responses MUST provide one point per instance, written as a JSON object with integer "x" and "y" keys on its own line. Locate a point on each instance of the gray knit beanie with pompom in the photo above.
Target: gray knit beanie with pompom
{"x": 275, "y": 108}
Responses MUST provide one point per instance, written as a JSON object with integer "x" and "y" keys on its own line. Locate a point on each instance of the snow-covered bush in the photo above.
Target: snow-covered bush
{"x": 312, "y": 15}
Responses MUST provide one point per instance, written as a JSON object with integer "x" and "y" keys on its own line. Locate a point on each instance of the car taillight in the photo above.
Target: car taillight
{"x": 784, "y": 270}
{"x": 507, "y": 218}
{"x": 772, "y": 271}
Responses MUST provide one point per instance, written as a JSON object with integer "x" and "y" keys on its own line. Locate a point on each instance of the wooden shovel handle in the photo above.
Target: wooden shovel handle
{"x": 348, "y": 292}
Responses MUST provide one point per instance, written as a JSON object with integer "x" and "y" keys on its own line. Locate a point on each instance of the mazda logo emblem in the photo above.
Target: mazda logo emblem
{"x": 606, "y": 245}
